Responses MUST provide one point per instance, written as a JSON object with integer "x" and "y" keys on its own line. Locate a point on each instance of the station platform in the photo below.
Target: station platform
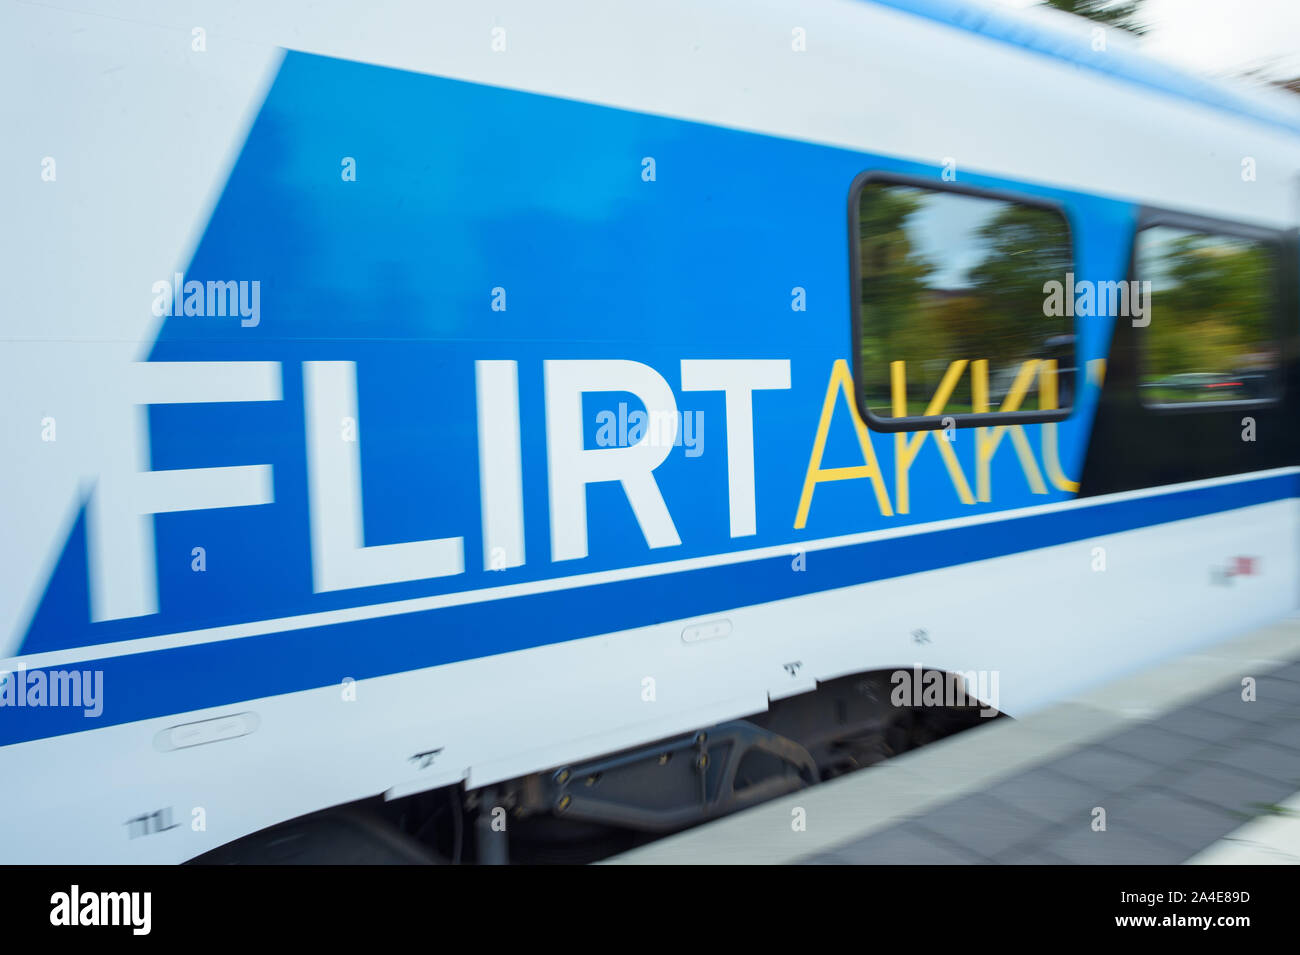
{"x": 1173, "y": 761}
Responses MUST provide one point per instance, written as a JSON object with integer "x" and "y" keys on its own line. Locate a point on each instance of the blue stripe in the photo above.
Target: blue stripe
{"x": 157, "y": 683}
{"x": 1118, "y": 62}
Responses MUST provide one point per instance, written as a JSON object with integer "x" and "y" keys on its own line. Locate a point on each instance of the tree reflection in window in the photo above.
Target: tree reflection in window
{"x": 948, "y": 277}
{"x": 1212, "y": 335}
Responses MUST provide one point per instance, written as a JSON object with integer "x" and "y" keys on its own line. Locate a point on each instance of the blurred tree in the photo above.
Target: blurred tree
{"x": 1122, "y": 14}
{"x": 894, "y": 278}
{"x": 1024, "y": 247}
{"x": 1214, "y": 310}
{"x": 928, "y": 316}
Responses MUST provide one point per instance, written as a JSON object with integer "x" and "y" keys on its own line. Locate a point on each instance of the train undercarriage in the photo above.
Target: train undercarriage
{"x": 589, "y": 810}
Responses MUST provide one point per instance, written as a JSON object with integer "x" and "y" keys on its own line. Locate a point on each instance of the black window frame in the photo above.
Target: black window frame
{"x": 1277, "y": 241}
{"x": 913, "y": 423}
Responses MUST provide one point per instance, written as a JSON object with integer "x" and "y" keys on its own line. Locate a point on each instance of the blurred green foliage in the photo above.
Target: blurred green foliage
{"x": 993, "y": 309}
{"x": 1211, "y": 313}
{"x": 1121, "y": 14}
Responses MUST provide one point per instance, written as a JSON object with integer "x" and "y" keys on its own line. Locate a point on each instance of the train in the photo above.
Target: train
{"x": 485, "y": 432}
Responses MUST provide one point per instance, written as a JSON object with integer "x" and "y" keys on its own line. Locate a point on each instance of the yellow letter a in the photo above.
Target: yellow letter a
{"x": 841, "y": 381}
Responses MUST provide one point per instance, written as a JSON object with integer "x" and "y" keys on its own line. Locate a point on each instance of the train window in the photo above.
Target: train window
{"x": 1213, "y": 333}
{"x": 953, "y": 323}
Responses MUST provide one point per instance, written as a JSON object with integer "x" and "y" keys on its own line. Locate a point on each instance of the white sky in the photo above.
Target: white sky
{"x": 1222, "y": 36}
